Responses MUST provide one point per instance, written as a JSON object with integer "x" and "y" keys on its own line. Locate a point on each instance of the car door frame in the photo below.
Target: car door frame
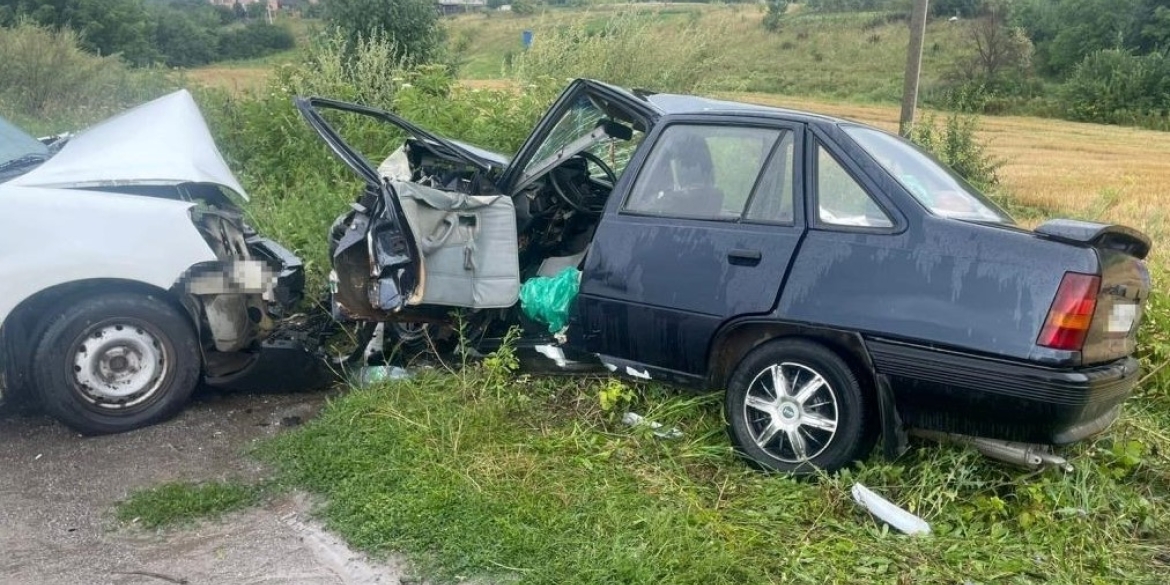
{"x": 623, "y": 190}
{"x": 513, "y": 174}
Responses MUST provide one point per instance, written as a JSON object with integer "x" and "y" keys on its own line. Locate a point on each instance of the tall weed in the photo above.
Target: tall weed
{"x": 633, "y": 49}
{"x": 954, "y": 143}
{"x": 49, "y": 84}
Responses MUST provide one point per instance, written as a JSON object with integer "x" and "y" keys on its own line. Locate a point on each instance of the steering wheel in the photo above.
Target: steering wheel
{"x": 573, "y": 192}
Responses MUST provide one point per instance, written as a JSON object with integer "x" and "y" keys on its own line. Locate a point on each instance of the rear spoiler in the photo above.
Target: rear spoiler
{"x": 1098, "y": 235}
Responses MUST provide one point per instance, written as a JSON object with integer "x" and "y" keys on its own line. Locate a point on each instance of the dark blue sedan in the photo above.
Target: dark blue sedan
{"x": 839, "y": 283}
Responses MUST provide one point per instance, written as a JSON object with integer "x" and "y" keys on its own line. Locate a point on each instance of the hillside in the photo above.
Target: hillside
{"x": 855, "y": 56}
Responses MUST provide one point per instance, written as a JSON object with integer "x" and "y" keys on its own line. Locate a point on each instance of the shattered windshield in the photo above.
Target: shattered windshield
{"x": 935, "y": 187}
{"x": 18, "y": 150}
{"x": 578, "y": 131}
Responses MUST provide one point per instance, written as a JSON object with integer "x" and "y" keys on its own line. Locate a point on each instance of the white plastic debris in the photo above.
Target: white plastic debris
{"x": 634, "y": 419}
{"x": 888, "y": 512}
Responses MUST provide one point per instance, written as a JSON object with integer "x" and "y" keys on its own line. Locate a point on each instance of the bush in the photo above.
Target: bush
{"x": 854, "y": 5}
{"x": 955, "y": 144}
{"x": 49, "y": 84}
{"x": 1116, "y": 87}
{"x": 775, "y": 14}
{"x": 255, "y": 39}
{"x": 411, "y": 25}
{"x": 630, "y": 49}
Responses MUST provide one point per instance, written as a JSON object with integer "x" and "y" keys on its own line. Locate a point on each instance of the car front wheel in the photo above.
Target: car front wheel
{"x": 795, "y": 406}
{"x": 115, "y": 362}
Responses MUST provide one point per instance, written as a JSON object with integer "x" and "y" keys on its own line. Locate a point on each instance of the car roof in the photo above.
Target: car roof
{"x": 669, "y": 103}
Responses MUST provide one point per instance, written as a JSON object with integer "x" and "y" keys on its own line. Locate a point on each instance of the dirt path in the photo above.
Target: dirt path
{"x": 57, "y": 491}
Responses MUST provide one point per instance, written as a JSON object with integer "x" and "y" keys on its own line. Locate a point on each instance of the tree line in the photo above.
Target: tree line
{"x": 1090, "y": 60}
{"x": 175, "y": 33}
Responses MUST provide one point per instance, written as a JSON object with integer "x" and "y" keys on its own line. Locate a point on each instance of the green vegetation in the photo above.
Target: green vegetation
{"x": 411, "y": 25}
{"x": 481, "y": 472}
{"x": 1120, "y": 88}
{"x": 48, "y": 84}
{"x": 176, "y": 33}
{"x": 854, "y": 56}
{"x": 1003, "y": 56}
{"x": 627, "y": 49}
{"x": 955, "y": 144}
{"x": 181, "y": 503}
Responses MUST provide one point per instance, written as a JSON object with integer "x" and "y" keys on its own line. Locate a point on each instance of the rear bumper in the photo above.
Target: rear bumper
{"x": 958, "y": 393}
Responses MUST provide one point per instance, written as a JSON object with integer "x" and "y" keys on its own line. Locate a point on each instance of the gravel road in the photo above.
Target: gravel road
{"x": 58, "y": 489}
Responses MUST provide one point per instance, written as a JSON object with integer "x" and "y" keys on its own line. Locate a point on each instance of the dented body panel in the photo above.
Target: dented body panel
{"x": 162, "y": 142}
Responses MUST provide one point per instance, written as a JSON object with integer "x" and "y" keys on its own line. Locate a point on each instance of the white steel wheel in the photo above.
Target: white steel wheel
{"x": 113, "y": 362}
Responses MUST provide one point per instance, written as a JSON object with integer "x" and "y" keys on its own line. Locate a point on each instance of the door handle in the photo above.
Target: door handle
{"x": 744, "y": 257}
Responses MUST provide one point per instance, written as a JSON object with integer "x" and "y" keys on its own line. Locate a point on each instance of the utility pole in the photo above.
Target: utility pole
{"x": 913, "y": 66}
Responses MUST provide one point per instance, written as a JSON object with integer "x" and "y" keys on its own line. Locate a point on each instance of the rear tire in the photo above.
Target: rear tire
{"x": 116, "y": 362}
{"x": 815, "y": 422}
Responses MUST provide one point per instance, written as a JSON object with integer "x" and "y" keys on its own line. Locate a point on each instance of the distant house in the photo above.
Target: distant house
{"x": 272, "y": 5}
{"x": 448, "y": 7}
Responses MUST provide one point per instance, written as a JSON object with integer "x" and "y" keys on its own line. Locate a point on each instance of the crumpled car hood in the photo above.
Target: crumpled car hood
{"x": 162, "y": 142}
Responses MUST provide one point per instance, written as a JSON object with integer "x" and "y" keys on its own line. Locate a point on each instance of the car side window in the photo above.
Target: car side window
{"x": 772, "y": 200}
{"x": 841, "y": 200}
{"x": 702, "y": 171}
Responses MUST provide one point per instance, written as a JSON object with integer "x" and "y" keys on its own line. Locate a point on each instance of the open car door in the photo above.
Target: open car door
{"x": 437, "y": 224}
{"x": 404, "y": 244}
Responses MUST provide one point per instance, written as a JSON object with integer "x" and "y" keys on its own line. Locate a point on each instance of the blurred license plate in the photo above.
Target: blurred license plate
{"x": 1121, "y": 317}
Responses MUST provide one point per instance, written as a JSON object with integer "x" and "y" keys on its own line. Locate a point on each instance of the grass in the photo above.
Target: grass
{"x": 182, "y": 503}
{"x": 852, "y": 56}
{"x": 530, "y": 480}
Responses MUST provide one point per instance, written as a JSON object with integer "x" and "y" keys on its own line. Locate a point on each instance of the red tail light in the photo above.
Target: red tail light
{"x": 1071, "y": 313}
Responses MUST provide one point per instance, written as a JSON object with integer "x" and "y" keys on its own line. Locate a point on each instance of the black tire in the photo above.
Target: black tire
{"x": 792, "y": 433}
{"x": 144, "y": 367}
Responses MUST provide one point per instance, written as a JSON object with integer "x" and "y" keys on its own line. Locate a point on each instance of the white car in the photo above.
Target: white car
{"x": 127, "y": 273}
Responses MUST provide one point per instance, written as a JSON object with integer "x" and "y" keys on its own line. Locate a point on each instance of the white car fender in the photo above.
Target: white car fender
{"x": 50, "y": 237}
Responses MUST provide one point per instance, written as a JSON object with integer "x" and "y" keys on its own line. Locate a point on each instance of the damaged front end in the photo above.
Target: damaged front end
{"x": 241, "y": 296}
{"x": 244, "y": 305}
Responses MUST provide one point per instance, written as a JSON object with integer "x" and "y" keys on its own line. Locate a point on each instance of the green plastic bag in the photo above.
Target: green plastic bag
{"x": 547, "y": 299}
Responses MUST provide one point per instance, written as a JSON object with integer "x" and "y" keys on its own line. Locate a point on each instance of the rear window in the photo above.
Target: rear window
{"x": 931, "y": 183}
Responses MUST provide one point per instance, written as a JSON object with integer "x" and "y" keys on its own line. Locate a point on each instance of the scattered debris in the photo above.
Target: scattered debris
{"x": 367, "y": 375}
{"x": 642, "y": 375}
{"x": 888, "y": 512}
{"x": 634, "y": 419}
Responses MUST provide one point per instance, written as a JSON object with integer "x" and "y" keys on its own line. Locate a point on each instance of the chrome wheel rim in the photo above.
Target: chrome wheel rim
{"x": 791, "y": 412}
{"x": 119, "y": 365}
